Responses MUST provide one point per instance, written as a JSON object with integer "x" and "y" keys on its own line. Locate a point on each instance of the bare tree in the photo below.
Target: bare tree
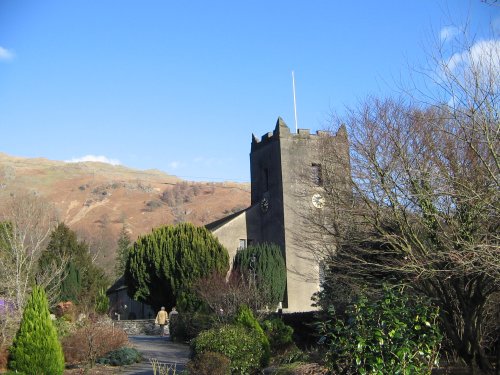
{"x": 423, "y": 207}
{"x": 225, "y": 296}
{"x": 423, "y": 211}
{"x": 25, "y": 225}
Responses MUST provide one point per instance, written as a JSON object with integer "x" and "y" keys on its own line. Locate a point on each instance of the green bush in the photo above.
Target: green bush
{"x": 210, "y": 363}
{"x": 391, "y": 335}
{"x": 246, "y": 319}
{"x": 239, "y": 344}
{"x": 121, "y": 357}
{"x": 265, "y": 263}
{"x": 36, "y": 348}
{"x": 278, "y": 333}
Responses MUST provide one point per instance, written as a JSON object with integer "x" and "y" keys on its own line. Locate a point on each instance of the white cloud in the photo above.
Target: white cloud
{"x": 174, "y": 164}
{"x": 448, "y": 32}
{"x": 487, "y": 50}
{"x": 478, "y": 65}
{"x": 5, "y": 54}
{"x": 101, "y": 159}
{"x": 484, "y": 54}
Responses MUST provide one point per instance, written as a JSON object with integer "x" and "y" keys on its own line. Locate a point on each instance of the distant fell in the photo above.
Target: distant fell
{"x": 97, "y": 199}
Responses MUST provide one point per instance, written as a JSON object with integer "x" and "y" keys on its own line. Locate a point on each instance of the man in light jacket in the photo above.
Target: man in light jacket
{"x": 162, "y": 319}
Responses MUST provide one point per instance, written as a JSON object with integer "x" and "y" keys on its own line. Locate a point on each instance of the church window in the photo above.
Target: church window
{"x": 266, "y": 179}
{"x": 243, "y": 244}
{"x": 316, "y": 174}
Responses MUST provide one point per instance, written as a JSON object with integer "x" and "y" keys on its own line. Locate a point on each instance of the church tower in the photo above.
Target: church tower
{"x": 286, "y": 188}
{"x": 286, "y": 182}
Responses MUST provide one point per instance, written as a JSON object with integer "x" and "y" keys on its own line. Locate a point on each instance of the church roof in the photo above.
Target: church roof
{"x": 214, "y": 225}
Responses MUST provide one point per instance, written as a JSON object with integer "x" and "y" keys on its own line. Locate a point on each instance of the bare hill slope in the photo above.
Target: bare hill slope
{"x": 97, "y": 199}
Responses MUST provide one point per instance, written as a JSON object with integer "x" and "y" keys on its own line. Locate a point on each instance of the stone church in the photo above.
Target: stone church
{"x": 286, "y": 186}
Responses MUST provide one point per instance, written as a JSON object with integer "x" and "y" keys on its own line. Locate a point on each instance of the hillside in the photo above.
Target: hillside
{"x": 97, "y": 199}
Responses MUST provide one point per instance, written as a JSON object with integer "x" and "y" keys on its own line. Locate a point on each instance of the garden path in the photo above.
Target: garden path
{"x": 159, "y": 348}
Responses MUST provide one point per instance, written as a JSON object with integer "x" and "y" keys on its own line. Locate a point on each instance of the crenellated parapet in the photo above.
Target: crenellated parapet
{"x": 283, "y": 131}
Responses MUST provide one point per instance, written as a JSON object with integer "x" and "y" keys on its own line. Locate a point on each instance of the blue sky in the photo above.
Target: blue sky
{"x": 181, "y": 86}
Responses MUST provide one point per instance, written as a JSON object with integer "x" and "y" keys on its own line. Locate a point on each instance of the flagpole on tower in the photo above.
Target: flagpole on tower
{"x": 294, "y": 102}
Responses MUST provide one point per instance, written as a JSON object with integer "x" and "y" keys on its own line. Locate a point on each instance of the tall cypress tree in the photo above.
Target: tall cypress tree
{"x": 162, "y": 266}
{"x": 265, "y": 265}
{"x": 122, "y": 252}
{"x": 36, "y": 348}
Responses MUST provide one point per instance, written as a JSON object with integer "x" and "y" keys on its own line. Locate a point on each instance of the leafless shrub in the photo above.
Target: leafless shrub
{"x": 225, "y": 296}
{"x": 92, "y": 341}
{"x": 4, "y": 357}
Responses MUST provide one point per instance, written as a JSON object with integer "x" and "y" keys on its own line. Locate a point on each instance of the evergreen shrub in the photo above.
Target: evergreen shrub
{"x": 278, "y": 333}
{"x": 246, "y": 319}
{"x": 36, "y": 348}
{"x": 121, "y": 357}
{"x": 239, "y": 344}
{"x": 389, "y": 335}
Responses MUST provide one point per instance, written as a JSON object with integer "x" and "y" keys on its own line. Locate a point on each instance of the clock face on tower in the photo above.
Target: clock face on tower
{"x": 318, "y": 201}
{"x": 264, "y": 204}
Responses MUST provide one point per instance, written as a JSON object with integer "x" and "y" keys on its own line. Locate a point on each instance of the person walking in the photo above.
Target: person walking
{"x": 162, "y": 319}
{"x": 171, "y": 326}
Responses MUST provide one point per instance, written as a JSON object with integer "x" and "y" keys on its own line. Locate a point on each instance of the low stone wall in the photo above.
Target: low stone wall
{"x": 138, "y": 327}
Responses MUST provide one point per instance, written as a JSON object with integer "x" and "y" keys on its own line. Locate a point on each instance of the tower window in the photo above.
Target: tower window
{"x": 266, "y": 179}
{"x": 316, "y": 174}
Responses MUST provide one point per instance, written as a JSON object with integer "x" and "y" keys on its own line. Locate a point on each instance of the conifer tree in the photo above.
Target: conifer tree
{"x": 163, "y": 265}
{"x": 81, "y": 279}
{"x": 36, "y": 348}
{"x": 263, "y": 264}
{"x": 122, "y": 252}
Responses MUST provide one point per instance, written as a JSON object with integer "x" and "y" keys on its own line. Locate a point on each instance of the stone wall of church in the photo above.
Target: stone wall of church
{"x": 282, "y": 171}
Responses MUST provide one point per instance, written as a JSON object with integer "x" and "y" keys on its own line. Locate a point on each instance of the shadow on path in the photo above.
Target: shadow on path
{"x": 159, "y": 348}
